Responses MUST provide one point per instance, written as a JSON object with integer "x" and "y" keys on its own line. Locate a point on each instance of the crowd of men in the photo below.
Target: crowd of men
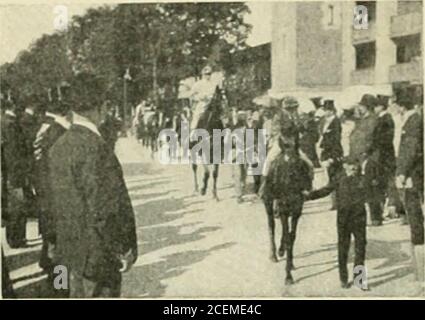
{"x": 58, "y": 164}
{"x": 386, "y": 179}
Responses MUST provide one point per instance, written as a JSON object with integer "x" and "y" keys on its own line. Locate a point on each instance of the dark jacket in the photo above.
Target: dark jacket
{"x": 41, "y": 182}
{"x": 94, "y": 219}
{"x": 350, "y": 195}
{"x": 14, "y": 151}
{"x": 410, "y": 162}
{"x": 109, "y": 129}
{"x": 308, "y": 139}
{"x": 382, "y": 149}
{"x": 331, "y": 141}
{"x": 373, "y": 182}
{"x": 362, "y": 136}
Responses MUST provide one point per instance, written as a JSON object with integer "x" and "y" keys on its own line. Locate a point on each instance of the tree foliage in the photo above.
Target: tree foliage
{"x": 160, "y": 43}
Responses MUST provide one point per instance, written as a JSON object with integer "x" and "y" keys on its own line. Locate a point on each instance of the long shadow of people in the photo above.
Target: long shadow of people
{"x": 156, "y": 238}
{"x": 160, "y": 211}
{"x": 390, "y": 251}
{"x": 146, "y": 280}
{"x": 394, "y": 256}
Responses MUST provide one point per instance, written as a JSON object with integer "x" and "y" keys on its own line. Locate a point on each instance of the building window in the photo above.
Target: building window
{"x": 365, "y": 55}
{"x": 405, "y": 7}
{"x": 408, "y": 48}
{"x": 371, "y": 9}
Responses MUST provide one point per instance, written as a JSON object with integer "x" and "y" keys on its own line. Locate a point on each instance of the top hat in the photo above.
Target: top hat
{"x": 317, "y": 101}
{"x": 368, "y": 100}
{"x": 329, "y": 105}
{"x": 382, "y": 100}
{"x": 406, "y": 100}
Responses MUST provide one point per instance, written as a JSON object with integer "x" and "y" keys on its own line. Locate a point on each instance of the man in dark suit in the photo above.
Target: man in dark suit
{"x": 383, "y": 152}
{"x": 14, "y": 157}
{"x": 362, "y": 135}
{"x": 351, "y": 216}
{"x": 373, "y": 187}
{"x": 410, "y": 176}
{"x": 94, "y": 220}
{"x": 30, "y": 125}
{"x": 54, "y": 126}
{"x": 110, "y": 126}
{"x": 330, "y": 143}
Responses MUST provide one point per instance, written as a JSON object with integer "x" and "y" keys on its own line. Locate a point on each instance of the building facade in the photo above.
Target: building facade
{"x": 315, "y": 46}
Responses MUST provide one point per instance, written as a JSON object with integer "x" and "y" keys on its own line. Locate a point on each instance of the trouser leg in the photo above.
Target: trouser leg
{"x": 415, "y": 216}
{"x": 16, "y": 224}
{"x": 344, "y": 236}
{"x": 359, "y": 232}
{"x": 375, "y": 207}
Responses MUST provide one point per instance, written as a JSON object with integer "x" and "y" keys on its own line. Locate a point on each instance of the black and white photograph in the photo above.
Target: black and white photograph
{"x": 212, "y": 150}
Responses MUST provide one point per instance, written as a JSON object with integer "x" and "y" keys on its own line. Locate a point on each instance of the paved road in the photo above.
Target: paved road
{"x": 193, "y": 246}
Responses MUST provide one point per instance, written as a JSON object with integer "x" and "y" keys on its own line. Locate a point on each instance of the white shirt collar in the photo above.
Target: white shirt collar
{"x": 84, "y": 122}
{"x": 328, "y": 122}
{"x": 29, "y": 111}
{"x": 62, "y": 121}
{"x": 10, "y": 113}
{"x": 383, "y": 113}
{"x": 407, "y": 115}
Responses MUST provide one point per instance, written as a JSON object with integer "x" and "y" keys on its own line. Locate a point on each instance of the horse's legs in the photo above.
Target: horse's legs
{"x": 215, "y": 177}
{"x": 153, "y": 145}
{"x": 195, "y": 177}
{"x": 268, "y": 203}
{"x": 205, "y": 180}
{"x": 290, "y": 248}
{"x": 285, "y": 234}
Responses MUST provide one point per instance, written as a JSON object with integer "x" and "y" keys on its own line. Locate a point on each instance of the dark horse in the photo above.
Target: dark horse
{"x": 211, "y": 119}
{"x": 282, "y": 193}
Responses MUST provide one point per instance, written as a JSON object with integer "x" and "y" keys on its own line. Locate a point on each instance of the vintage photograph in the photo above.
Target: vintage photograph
{"x": 264, "y": 149}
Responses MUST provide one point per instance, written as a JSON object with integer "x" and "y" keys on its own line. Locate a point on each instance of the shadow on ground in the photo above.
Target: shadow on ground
{"x": 147, "y": 280}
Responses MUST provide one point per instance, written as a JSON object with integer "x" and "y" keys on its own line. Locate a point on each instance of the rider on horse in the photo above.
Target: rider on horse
{"x": 201, "y": 94}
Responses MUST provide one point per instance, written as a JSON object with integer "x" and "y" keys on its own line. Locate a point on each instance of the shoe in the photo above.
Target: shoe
{"x": 345, "y": 285}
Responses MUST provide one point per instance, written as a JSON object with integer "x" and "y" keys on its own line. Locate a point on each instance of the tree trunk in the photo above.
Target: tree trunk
{"x": 155, "y": 79}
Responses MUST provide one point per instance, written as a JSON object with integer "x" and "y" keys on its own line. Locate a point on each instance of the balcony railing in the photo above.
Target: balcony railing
{"x": 363, "y": 76}
{"x": 410, "y": 71}
{"x": 364, "y": 35}
{"x": 406, "y": 24}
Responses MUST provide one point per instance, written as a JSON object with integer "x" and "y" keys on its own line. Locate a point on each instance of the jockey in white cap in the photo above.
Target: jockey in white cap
{"x": 201, "y": 94}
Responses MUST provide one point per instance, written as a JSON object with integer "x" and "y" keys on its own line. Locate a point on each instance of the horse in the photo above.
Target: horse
{"x": 282, "y": 194}
{"x": 211, "y": 118}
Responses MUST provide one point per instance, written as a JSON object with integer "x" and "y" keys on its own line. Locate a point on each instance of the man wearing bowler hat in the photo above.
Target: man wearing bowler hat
{"x": 361, "y": 136}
